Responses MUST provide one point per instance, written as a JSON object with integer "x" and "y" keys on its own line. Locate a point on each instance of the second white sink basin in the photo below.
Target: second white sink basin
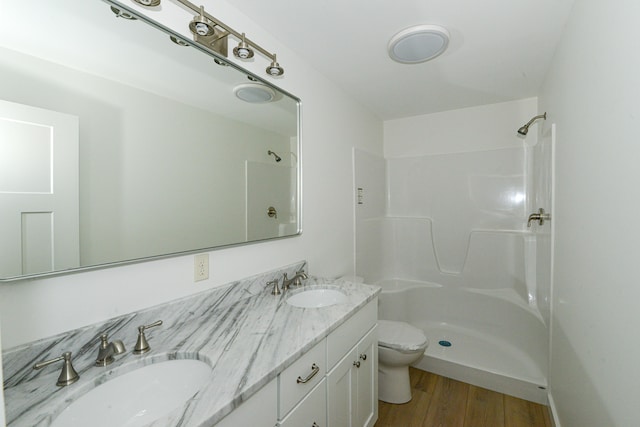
{"x": 316, "y": 298}
{"x": 138, "y": 397}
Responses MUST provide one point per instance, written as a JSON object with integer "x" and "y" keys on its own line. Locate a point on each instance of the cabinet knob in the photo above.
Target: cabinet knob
{"x": 363, "y": 356}
{"x": 356, "y": 364}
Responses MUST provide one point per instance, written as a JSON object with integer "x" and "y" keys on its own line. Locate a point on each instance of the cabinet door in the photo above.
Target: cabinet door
{"x": 310, "y": 412}
{"x": 259, "y": 410}
{"x": 367, "y": 380}
{"x": 341, "y": 392}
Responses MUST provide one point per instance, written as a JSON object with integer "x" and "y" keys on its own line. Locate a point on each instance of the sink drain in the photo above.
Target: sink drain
{"x": 445, "y": 343}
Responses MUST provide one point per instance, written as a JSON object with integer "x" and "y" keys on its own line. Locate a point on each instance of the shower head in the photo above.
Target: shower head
{"x": 525, "y": 129}
{"x": 278, "y": 158}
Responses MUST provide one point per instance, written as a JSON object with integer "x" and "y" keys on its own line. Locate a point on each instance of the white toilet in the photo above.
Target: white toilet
{"x": 399, "y": 345}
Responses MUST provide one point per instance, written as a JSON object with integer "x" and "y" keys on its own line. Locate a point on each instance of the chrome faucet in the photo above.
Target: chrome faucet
{"x": 68, "y": 375}
{"x": 107, "y": 350}
{"x": 142, "y": 345}
{"x": 294, "y": 281}
{"x": 541, "y": 217}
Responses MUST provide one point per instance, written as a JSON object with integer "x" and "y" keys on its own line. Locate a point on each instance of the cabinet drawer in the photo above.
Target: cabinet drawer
{"x": 312, "y": 409}
{"x": 340, "y": 341}
{"x": 299, "y": 378}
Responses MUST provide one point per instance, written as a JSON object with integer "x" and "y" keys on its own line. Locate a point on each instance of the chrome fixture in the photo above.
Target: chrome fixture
{"x": 541, "y": 217}
{"x": 68, "y": 375}
{"x": 272, "y": 212}
{"x": 142, "y": 346}
{"x": 201, "y": 25}
{"x": 243, "y": 51}
{"x": 122, "y": 14}
{"x": 148, "y": 3}
{"x": 213, "y": 33}
{"x": 525, "y": 129}
{"x": 107, "y": 350}
{"x": 419, "y": 43}
{"x": 274, "y": 69}
{"x": 278, "y": 158}
{"x": 275, "y": 290}
{"x": 294, "y": 281}
{"x": 314, "y": 370}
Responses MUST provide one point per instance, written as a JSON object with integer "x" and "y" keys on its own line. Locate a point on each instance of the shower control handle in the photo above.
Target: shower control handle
{"x": 541, "y": 217}
{"x": 272, "y": 212}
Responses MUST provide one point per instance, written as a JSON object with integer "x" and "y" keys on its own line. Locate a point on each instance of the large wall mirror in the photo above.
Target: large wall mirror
{"x": 118, "y": 144}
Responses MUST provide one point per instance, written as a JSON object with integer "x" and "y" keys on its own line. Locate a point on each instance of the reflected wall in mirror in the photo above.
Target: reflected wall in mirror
{"x": 118, "y": 145}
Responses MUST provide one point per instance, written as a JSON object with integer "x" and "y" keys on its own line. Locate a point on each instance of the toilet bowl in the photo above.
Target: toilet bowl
{"x": 399, "y": 345}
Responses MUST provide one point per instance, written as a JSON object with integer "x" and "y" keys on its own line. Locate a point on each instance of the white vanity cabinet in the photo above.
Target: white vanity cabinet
{"x": 335, "y": 384}
{"x": 259, "y": 410}
{"x": 352, "y": 386}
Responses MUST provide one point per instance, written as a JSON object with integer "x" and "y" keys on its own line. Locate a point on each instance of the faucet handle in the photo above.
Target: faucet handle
{"x": 68, "y": 374}
{"x": 142, "y": 346}
{"x": 276, "y": 289}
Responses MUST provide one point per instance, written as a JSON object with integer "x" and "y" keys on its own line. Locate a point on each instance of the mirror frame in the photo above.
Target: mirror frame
{"x": 214, "y": 56}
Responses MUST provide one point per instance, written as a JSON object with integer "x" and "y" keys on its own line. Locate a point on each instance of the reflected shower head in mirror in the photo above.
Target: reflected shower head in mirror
{"x": 525, "y": 129}
{"x": 278, "y": 158}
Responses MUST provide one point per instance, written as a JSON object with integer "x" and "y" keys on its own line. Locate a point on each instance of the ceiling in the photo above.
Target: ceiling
{"x": 499, "y": 49}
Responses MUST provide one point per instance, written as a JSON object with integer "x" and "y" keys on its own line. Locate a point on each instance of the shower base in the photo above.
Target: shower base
{"x": 481, "y": 360}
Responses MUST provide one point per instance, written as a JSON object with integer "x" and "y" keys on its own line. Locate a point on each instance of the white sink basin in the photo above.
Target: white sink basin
{"x": 316, "y": 298}
{"x": 138, "y": 397}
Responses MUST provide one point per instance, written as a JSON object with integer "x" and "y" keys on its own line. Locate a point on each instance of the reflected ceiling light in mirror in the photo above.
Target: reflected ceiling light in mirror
{"x": 201, "y": 25}
{"x": 254, "y": 93}
{"x": 122, "y": 14}
{"x": 148, "y": 3}
{"x": 243, "y": 51}
{"x": 178, "y": 41}
{"x": 419, "y": 43}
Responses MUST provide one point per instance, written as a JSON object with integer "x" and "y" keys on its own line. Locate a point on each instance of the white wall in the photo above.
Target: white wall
{"x": 486, "y": 127}
{"x": 591, "y": 93}
{"x": 332, "y": 125}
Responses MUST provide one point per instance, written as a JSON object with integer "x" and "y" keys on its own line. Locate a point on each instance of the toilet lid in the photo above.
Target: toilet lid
{"x": 401, "y": 336}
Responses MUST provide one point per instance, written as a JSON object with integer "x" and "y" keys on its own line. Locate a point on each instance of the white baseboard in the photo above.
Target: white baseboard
{"x": 553, "y": 410}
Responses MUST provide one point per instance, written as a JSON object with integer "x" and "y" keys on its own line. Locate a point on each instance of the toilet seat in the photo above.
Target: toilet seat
{"x": 401, "y": 336}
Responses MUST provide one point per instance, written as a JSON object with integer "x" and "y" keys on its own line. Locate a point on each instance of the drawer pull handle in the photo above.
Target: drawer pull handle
{"x": 356, "y": 364}
{"x": 315, "y": 424}
{"x": 363, "y": 356}
{"x": 314, "y": 370}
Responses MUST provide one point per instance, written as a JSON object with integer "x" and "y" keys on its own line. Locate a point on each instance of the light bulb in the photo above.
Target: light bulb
{"x": 202, "y": 28}
{"x": 243, "y": 53}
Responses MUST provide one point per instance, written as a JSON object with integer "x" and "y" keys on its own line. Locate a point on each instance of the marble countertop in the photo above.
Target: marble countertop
{"x": 246, "y": 335}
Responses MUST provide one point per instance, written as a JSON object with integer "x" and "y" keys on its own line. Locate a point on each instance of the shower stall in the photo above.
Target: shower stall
{"x": 446, "y": 237}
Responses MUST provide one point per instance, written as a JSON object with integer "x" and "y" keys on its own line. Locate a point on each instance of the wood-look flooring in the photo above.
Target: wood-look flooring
{"x": 443, "y": 402}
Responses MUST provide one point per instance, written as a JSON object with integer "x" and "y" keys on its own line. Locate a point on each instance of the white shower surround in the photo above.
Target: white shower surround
{"x": 496, "y": 339}
{"x": 443, "y": 230}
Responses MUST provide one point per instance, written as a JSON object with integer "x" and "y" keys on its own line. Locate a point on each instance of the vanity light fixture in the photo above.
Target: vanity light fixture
{"x": 419, "y": 43}
{"x": 274, "y": 69}
{"x": 148, "y": 3}
{"x": 201, "y": 26}
{"x": 213, "y": 33}
{"x": 243, "y": 51}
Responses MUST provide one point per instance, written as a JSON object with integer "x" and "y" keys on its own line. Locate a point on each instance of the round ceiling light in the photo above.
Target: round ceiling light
{"x": 255, "y": 93}
{"x": 418, "y": 44}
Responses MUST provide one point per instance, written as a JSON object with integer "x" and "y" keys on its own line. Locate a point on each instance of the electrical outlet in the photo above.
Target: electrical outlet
{"x": 201, "y": 267}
